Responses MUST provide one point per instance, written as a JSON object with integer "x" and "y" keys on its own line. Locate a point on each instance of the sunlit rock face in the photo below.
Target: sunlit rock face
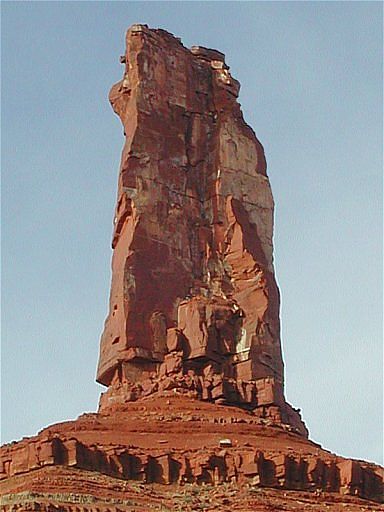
{"x": 191, "y": 349}
{"x": 192, "y": 268}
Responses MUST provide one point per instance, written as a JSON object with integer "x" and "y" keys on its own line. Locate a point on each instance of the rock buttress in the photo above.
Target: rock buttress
{"x": 192, "y": 267}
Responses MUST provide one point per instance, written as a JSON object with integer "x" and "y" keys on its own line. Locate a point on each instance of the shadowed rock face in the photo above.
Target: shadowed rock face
{"x": 192, "y": 268}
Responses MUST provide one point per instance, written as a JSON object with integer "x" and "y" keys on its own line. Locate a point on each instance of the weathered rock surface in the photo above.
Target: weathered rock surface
{"x": 175, "y": 440}
{"x": 193, "y": 289}
{"x": 193, "y": 323}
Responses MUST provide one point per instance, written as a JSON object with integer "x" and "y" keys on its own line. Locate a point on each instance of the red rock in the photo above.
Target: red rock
{"x": 192, "y": 266}
{"x": 194, "y": 318}
{"x": 175, "y": 340}
{"x": 125, "y": 445}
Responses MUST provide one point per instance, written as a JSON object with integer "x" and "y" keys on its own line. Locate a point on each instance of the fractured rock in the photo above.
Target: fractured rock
{"x": 194, "y": 319}
{"x": 192, "y": 267}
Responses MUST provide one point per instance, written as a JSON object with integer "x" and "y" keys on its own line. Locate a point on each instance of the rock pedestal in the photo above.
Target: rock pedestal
{"x": 193, "y": 453}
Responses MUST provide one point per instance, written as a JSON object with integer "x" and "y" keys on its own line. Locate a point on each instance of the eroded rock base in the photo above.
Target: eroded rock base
{"x": 174, "y": 441}
{"x": 203, "y": 380}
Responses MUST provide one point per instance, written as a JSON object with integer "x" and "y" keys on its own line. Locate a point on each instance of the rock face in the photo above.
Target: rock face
{"x": 193, "y": 323}
{"x": 193, "y": 288}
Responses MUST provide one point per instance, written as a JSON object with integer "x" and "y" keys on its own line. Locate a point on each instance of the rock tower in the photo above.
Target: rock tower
{"x": 190, "y": 353}
{"x": 193, "y": 288}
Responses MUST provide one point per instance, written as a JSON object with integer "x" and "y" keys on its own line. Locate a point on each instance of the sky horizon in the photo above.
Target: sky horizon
{"x": 310, "y": 75}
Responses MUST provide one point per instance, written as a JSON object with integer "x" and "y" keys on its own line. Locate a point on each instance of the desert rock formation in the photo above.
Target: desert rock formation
{"x": 190, "y": 353}
{"x": 194, "y": 297}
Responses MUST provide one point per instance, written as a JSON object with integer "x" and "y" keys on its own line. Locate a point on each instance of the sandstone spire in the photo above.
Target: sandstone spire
{"x": 193, "y": 321}
{"x": 193, "y": 283}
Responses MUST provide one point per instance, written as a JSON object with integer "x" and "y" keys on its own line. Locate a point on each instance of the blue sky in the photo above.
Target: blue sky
{"x": 311, "y": 88}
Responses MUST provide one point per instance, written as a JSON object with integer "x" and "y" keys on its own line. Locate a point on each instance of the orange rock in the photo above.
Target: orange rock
{"x": 192, "y": 266}
{"x": 194, "y": 319}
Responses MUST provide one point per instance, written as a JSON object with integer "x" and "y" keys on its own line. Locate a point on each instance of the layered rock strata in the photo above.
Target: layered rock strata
{"x": 193, "y": 286}
{"x": 176, "y": 441}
